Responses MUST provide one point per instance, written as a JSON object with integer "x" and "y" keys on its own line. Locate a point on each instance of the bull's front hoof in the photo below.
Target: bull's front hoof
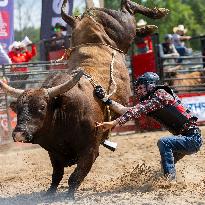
{"x": 51, "y": 191}
{"x": 70, "y": 196}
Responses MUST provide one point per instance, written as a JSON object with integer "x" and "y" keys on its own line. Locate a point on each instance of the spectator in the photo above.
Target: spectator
{"x": 178, "y": 40}
{"x": 19, "y": 53}
{"x": 167, "y": 48}
{"x": 4, "y": 58}
{"x": 58, "y": 38}
{"x": 143, "y": 44}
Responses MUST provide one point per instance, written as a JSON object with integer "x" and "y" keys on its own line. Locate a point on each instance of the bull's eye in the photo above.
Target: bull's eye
{"x": 42, "y": 108}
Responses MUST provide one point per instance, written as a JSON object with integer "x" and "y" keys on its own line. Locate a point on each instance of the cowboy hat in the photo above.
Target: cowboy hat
{"x": 141, "y": 22}
{"x": 179, "y": 28}
{"x": 26, "y": 41}
{"x": 16, "y": 45}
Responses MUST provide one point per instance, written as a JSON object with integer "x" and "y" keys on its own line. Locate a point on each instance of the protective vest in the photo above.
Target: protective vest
{"x": 174, "y": 117}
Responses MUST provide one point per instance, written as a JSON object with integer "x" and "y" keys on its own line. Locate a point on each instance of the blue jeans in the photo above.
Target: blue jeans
{"x": 183, "y": 51}
{"x": 173, "y": 148}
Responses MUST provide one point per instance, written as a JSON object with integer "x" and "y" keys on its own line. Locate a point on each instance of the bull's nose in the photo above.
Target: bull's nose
{"x": 18, "y": 137}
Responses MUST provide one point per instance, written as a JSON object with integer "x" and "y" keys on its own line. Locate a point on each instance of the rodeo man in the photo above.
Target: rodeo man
{"x": 161, "y": 103}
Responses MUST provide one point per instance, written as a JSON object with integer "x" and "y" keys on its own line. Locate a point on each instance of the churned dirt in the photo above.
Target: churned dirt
{"x": 130, "y": 175}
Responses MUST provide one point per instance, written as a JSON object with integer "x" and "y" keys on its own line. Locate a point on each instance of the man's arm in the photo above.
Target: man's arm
{"x": 158, "y": 101}
{"x": 185, "y": 38}
{"x": 118, "y": 108}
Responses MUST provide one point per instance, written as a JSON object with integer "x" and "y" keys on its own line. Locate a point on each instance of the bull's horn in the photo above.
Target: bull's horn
{"x": 62, "y": 88}
{"x": 11, "y": 91}
{"x": 133, "y": 8}
{"x": 145, "y": 30}
{"x": 67, "y": 18}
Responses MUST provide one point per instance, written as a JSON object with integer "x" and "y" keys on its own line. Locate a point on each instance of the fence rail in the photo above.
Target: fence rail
{"x": 187, "y": 76}
{"x": 37, "y": 72}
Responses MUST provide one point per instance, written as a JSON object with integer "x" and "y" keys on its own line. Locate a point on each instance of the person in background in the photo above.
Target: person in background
{"x": 159, "y": 102}
{"x": 168, "y": 54}
{"x": 4, "y": 58}
{"x": 143, "y": 44}
{"x": 19, "y": 52}
{"x": 167, "y": 48}
{"x": 179, "y": 38}
{"x": 58, "y": 38}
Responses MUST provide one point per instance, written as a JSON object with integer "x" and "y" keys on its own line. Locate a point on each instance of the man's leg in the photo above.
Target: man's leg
{"x": 178, "y": 156}
{"x": 181, "y": 50}
{"x": 176, "y": 144}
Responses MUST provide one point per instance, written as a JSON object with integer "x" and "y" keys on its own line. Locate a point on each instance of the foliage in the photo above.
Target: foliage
{"x": 76, "y": 12}
{"x": 114, "y": 4}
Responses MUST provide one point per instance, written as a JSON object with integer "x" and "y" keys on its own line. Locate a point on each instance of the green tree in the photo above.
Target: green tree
{"x": 181, "y": 12}
{"x": 114, "y": 4}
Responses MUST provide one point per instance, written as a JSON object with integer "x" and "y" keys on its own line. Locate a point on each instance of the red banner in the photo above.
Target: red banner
{"x": 6, "y": 23}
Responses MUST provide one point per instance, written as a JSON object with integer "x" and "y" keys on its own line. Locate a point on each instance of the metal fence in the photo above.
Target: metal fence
{"x": 185, "y": 74}
{"x": 37, "y": 72}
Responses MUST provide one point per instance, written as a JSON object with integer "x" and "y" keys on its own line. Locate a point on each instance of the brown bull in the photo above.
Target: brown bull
{"x": 188, "y": 81}
{"x": 61, "y": 119}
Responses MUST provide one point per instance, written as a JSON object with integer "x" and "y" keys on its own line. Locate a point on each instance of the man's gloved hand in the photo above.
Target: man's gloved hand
{"x": 100, "y": 93}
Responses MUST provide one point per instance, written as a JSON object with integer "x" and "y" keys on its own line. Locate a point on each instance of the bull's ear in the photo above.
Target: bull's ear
{"x": 13, "y": 106}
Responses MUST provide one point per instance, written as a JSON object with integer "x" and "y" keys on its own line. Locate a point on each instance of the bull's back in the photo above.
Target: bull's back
{"x": 97, "y": 61}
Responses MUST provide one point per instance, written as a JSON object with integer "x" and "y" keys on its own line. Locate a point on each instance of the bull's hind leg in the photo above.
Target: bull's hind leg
{"x": 84, "y": 165}
{"x": 58, "y": 171}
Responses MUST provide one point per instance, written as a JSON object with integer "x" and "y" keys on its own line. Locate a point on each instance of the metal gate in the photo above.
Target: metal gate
{"x": 37, "y": 73}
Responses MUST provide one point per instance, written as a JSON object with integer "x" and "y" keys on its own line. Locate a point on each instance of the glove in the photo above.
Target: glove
{"x": 100, "y": 93}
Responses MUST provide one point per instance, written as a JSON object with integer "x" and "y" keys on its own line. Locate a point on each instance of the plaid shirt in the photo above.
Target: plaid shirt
{"x": 157, "y": 101}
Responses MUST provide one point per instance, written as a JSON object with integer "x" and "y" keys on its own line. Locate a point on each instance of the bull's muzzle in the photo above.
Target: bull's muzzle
{"x": 21, "y": 137}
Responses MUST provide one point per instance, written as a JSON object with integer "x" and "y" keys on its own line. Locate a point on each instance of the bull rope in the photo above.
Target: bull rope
{"x": 68, "y": 51}
{"x": 111, "y": 75}
{"x": 112, "y": 81}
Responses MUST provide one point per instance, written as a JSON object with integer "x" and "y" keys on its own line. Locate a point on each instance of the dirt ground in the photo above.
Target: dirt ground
{"x": 130, "y": 175}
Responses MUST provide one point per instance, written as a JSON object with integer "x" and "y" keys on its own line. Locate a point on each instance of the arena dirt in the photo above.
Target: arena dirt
{"x": 130, "y": 175}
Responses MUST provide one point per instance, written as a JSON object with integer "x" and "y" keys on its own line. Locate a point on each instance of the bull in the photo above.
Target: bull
{"x": 60, "y": 116}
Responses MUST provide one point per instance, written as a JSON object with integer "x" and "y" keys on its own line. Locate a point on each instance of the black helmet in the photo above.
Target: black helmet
{"x": 147, "y": 79}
